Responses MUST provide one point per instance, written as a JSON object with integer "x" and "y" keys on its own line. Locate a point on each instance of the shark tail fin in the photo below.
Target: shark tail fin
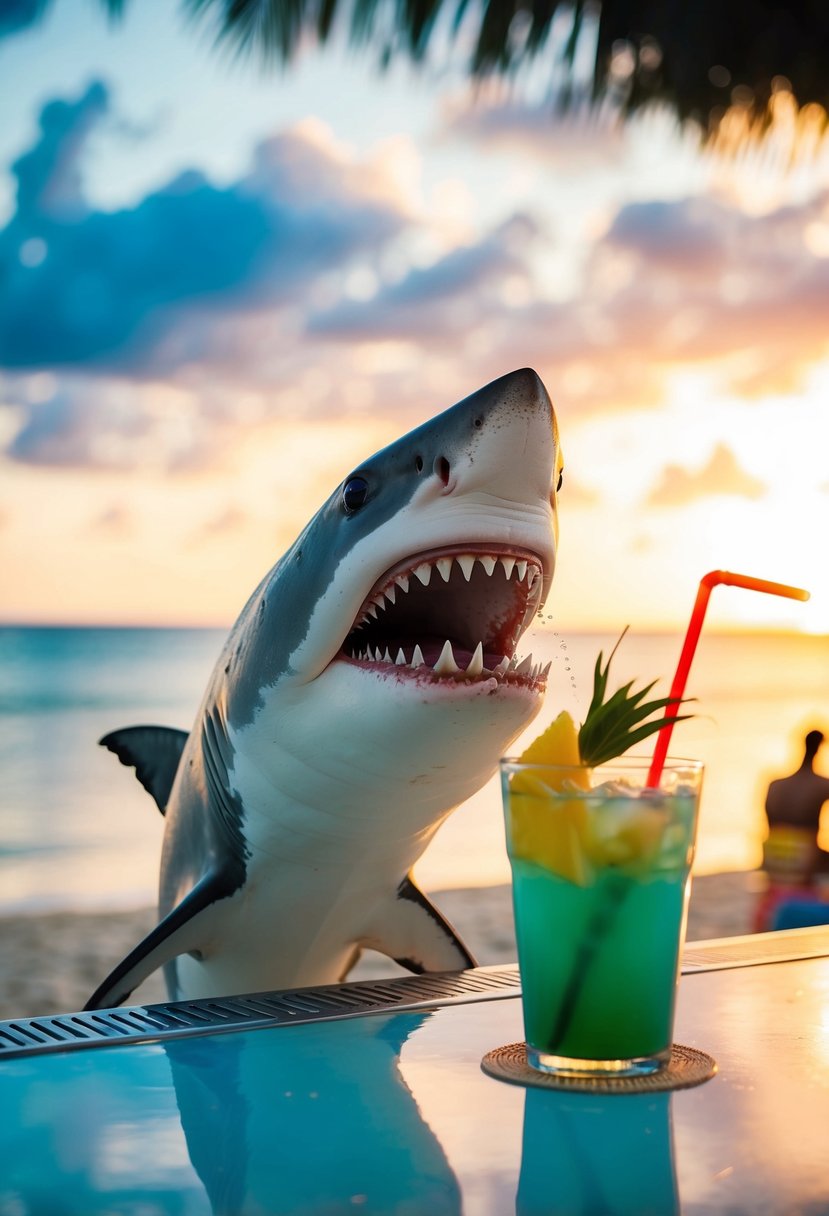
{"x": 154, "y": 752}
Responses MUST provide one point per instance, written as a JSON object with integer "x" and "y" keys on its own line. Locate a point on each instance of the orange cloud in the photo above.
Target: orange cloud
{"x": 227, "y": 522}
{"x": 115, "y": 521}
{"x": 576, "y": 494}
{"x": 721, "y": 475}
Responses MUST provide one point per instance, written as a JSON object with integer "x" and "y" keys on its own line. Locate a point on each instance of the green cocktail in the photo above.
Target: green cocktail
{"x": 601, "y": 860}
{"x": 601, "y": 877}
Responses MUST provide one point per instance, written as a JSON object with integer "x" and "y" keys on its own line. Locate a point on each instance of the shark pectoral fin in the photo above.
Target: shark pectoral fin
{"x": 167, "y": 940}
{"x": 417, "y": 936}
{"x": 154, "y": 752}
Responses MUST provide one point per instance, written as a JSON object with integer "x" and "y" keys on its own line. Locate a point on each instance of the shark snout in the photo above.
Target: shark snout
{"x": 502, "y": 447}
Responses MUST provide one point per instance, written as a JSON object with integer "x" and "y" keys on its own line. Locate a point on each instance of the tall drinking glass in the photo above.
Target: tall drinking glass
{"x": 601, "y": 869}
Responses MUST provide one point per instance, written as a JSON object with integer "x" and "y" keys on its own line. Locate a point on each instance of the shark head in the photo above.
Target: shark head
{"x": 402, "y": 606}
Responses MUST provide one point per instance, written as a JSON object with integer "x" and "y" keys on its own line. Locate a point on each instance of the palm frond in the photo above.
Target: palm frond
{"x": 698, "y": 58}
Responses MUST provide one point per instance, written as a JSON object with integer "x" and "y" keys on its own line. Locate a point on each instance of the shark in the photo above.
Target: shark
{"x": 369, "y": 687}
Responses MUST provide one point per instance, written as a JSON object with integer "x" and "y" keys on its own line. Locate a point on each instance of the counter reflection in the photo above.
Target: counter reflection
{"x": 587, "y": 1155}
{"x": 312, "y": 1120}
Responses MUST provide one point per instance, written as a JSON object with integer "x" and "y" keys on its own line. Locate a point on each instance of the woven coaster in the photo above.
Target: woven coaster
{"x": 686, "y": 1067}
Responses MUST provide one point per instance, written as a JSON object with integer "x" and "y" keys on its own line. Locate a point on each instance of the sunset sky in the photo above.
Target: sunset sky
{"x": 223, "y": 287}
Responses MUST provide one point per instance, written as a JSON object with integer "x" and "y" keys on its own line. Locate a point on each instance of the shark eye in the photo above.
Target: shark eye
{"x": 355, "y": 493}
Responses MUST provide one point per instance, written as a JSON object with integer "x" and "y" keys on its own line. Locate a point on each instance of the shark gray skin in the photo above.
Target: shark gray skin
{"x": 368, "y": 688}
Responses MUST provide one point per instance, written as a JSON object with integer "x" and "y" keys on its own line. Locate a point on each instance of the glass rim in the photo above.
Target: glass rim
{"x": 632, "y": 762}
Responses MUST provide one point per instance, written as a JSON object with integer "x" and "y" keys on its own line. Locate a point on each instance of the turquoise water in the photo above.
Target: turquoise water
{"x": 76, "y": 829}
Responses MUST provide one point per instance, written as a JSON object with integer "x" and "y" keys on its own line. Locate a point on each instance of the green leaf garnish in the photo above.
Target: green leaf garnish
{"x": 614, "y": 725}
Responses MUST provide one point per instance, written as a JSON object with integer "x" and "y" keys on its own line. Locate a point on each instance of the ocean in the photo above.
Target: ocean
{"x": 78, "y": 832}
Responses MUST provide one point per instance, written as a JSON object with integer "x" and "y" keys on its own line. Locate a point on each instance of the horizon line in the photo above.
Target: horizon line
{"x": 723, "y": 630}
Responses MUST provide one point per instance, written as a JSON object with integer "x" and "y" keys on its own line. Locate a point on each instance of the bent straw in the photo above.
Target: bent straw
{"x": 706, "y": 585}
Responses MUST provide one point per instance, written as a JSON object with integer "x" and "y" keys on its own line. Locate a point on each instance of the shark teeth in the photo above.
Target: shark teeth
{"x": 504, "y": 566}
{"x": 480, "y": 646}
{"x": 476, "y": 663}
{"x": 446, "y": 665}
{"x": 467, "y": 564}
{"x": 524, "y": 670}
{"x": 525, "y": 666}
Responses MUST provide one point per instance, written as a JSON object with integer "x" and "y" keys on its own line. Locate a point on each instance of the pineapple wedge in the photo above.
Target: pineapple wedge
{"x": 552, "y": 835}
{"x": 572, "y": 837}
{"x": 557, "y": 746}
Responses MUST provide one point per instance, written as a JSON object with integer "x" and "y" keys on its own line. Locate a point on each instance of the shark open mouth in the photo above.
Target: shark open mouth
{"x": 452, "y": 614}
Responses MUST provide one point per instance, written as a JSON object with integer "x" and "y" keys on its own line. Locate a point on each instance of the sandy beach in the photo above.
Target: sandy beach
{"x": 51, "y": 962}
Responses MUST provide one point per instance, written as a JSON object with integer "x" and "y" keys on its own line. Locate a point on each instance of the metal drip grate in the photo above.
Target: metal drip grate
{"x": 149, "y": 1023}
{"x": 785, "y": 945}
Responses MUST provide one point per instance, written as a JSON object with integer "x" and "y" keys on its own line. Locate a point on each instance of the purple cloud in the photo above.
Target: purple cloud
{"x": 438, "y": 301}
{"x": 690, "y": 235}
{"x": 82, "y": 425}
{"x": 587, "y": 138}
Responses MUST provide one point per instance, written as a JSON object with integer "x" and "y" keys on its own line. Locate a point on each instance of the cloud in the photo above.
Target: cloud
{"x": 440, "y": 301}
{"x": 110, "y": 289}
{"x": 685, "y": 281}
{"x": 49, "y": 183}
{"x": 696, "y": 283}
{"x": 575, "y": 493}
{"x": 721, "y": 475}
{"x": 168, "y": 332}
{"x": 690, "y": 238}
{"x": 109, "y": 424}
{"x": 116, "y": 522}
{"x": 232, "y": 519}
{"x": 68, "y": 431}
{"x": 722, "y": 281}
{"x": 584, "y": 139}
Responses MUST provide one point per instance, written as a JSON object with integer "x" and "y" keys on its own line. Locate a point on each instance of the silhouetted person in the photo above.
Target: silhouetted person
{"x": 796, "y": 801}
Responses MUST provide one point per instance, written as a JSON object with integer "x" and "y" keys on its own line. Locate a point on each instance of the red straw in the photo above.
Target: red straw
{"x": 706, "y": 584}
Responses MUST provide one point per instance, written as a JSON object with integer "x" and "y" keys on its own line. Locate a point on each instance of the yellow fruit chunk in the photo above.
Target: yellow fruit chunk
{"x": 557, "y": 745}
{"x": 550, "y": 831}
{"x": 546, "y": 828}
